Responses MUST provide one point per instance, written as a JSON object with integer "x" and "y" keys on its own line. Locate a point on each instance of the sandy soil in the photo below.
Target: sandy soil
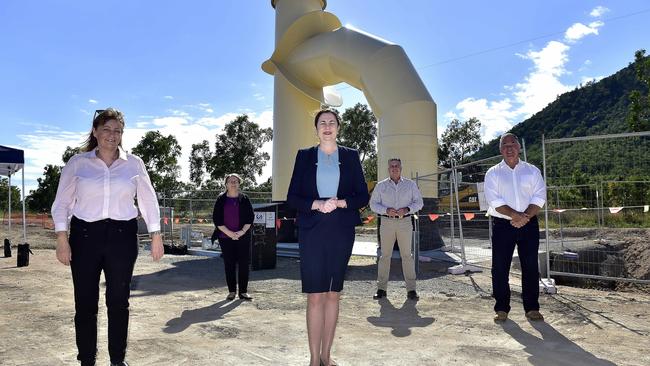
{"x": 179, "y": 316}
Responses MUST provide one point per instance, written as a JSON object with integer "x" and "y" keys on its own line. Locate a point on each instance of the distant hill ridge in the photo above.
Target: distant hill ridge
{"x": 595, "y": 108}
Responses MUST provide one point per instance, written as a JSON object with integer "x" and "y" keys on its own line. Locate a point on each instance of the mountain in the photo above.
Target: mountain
{"x": 595, "y": 108}
{"x": 578, "y": 172}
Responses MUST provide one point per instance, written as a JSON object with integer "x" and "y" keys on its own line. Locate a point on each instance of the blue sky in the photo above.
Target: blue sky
{"x": 188, "y": 67}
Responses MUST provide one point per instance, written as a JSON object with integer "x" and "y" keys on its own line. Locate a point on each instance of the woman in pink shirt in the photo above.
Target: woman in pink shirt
{"x": 97, "y": 192}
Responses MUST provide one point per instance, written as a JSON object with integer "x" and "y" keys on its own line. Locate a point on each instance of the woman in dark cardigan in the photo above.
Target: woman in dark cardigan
{"x": 233, "y": 216}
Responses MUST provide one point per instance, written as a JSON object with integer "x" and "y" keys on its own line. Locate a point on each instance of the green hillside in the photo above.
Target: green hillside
{"x": 594, "y": 109}
{"x": 597, "y": 108}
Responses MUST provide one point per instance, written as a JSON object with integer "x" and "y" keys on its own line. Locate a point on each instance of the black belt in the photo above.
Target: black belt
{"x": 395, "y": 217}
{"x": 500, "y": 219}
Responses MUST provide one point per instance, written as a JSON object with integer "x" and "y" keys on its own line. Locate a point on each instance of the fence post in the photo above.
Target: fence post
{"x": 548, "y": 252}
{"x": 463, "y": 267}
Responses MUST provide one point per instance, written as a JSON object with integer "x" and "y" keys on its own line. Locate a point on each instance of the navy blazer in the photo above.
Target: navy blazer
{"x": 303, "y": 190}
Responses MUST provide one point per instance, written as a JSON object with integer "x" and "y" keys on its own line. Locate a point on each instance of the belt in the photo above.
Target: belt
{"x": 500, "y": 219}
{"x": 395, "y": 217}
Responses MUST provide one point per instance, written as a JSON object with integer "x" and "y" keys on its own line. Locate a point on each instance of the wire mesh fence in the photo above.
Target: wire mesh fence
{"x": 597, "y": 212}
{"x": 187, "y": 216}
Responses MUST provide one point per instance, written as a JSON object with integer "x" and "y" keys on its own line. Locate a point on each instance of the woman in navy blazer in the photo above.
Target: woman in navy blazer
{"x": 327, "y": 189}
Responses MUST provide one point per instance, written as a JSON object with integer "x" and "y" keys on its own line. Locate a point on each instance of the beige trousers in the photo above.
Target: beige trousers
{"x": 402, "y": 230}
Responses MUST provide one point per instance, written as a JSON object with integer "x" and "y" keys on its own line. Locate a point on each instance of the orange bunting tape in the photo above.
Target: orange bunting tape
{"x": 468, "y": 215}
{"x": 433, "y": 217}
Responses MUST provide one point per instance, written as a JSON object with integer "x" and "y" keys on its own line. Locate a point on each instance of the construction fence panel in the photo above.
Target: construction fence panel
{"x": 597, "y": 219}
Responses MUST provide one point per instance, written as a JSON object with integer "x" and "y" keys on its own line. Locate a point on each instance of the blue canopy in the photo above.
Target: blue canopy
{"x": 11, "y": 160}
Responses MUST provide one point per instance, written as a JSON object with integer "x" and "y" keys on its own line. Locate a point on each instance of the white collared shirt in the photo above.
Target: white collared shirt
{"x": 517, "y": 188}
{"x": 91, "y": 191}
{"x": 387, "y": 194}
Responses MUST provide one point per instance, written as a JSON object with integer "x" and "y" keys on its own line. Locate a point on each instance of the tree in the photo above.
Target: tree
{"x": 160, "y": 156}
{"x": 199, "y": 158}
{"x": 459, "y": 141}
{"x": 69, "y": 153}
{"x": 638, "y": 117}
{"x": 237, "y": 150}
{"x": 42, "y": 198}
{"x": 4, "y": 196}
{"x": 359, "y": 131}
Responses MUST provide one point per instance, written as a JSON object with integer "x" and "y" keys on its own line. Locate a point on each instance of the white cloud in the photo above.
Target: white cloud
{"x": 598, "y": 11}
{"x": 92, "y": 101}
{"x": 47, "y": 143}
{"x": 543, "y": 84}
{"x": 259, "y": 96}
{"x": 178, "y": 112}
{"x": 46, "y": 146}
{"x": 168, "y": 97}
{"x": 537, "y": 89}
{"x": 579, "y": 30}
{"x": 495, "y": 116}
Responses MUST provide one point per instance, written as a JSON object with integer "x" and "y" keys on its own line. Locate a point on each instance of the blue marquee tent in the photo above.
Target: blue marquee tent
{"x": 11, "y": 161}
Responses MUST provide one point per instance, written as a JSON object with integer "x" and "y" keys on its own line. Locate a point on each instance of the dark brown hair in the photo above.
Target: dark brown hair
{"x": 326, "y": 110}
{"x": 101, "y": 117}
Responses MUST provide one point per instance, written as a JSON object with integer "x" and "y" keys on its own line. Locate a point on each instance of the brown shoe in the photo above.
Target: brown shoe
{"x": 534, "y": 315}
{"x": 500, "y": 317}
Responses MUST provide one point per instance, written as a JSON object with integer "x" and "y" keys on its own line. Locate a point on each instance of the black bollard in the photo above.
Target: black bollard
{"x": 23, "y": 255}
{"x": 7, "y": 248}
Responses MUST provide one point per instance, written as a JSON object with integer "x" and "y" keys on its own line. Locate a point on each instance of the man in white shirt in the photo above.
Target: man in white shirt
{"x": 395, "y": 199}
{"x": 515, "y": 191}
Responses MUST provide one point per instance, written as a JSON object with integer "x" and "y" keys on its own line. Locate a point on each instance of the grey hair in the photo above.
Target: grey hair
{"x": 395, "y": 159}
{"x": 506, "y": 135}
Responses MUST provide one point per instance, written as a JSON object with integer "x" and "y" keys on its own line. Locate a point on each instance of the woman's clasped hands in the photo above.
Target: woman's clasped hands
{"x": 329, "y": 205}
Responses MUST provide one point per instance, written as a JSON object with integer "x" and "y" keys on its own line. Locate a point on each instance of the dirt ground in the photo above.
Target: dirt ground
{"x": 179, "y": 316}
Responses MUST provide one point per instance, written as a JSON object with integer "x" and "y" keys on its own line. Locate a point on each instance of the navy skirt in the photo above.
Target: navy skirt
{"x": 325, "y": 250}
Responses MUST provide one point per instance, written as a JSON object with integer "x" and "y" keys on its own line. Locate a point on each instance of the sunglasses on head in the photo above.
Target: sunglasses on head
{"x": 97, "y": 113}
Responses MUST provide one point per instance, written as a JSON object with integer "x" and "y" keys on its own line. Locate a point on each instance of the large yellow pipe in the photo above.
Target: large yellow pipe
{"x": 315, "y": 51}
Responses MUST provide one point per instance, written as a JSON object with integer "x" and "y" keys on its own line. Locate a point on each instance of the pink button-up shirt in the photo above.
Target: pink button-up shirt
{"x": 91, "y": 191}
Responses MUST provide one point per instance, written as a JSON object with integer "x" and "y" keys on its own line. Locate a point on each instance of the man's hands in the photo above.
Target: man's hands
{"x": 327, "y": 206}
{"x": 519, "y": 219}
{"x": 391, "y": 212}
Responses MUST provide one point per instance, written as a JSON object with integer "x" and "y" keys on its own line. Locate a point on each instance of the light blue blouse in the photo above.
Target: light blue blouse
{"x": 327, "y": 174}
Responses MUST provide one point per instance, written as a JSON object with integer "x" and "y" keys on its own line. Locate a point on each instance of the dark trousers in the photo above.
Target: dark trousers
{"x": 504, "y": 238}
{"x": 111, "y": 246}
{"x": 236, "y": 253}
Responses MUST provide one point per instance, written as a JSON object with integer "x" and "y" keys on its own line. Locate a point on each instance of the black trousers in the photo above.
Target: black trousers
{"x": 236, "y": 259}
{"x": 504, "y": 239}
{"x": 111, "y": 246}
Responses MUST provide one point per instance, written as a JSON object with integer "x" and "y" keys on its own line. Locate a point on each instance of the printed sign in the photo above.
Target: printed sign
{"x": 270, "y": 219}
{"x": 260, "y": 218}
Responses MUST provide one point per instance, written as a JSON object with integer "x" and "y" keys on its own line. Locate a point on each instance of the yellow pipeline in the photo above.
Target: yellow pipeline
{"x": 313, "y": 51}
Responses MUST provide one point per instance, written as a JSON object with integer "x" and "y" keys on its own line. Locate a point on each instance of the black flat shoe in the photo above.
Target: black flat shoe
{"x": 379, "y": 294}
{"x": 231, "y": 296}
{"x": 123, "y": 363}
{"x": 413, "y": 295}
{"x": 244, "y": 296}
